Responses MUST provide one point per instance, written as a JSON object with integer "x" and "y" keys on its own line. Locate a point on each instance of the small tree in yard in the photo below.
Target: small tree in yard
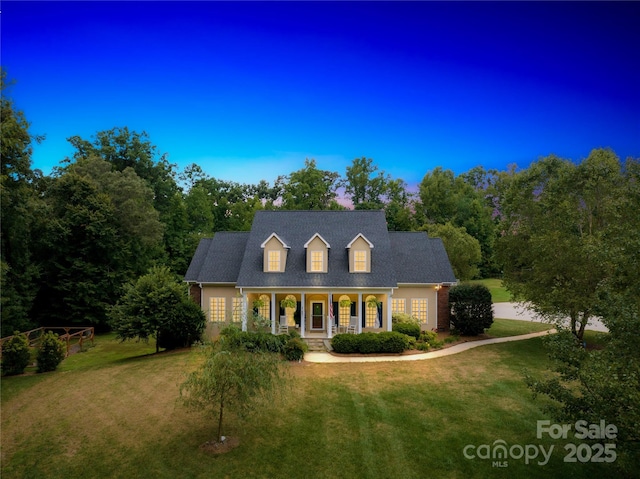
{"x": 15, "y": 354}
{"x": 230, "y": 378}
{"x": 51, "y": 353}
{"x": 157, "y": 305}
{"x": 471, "y": 308}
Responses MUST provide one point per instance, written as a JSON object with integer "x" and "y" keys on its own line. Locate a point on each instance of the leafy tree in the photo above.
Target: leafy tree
{"x": 19, "y": 216}
{"x": 566, "y": 234}
{"x": 51, "y": 353}
{"x": 363, "y": 186}
{"x": 399, "y": 208}
{"x": 15, "y": 354}
{"x": 81, "y": 254}
{"x": 309, "y": 188}
{"x": 230, "y": 379}
{"x": 471, "y": 308}
{"x": 462, "y": 248}
{"x": 602, "y": 384}
{"x": 447, "y": 198}
{"x": 157, "y": 305}
{"x": 123, "y": 149}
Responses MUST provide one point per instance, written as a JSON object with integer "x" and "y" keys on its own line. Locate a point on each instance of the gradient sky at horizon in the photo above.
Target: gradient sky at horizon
{"x": 249, "y": 90}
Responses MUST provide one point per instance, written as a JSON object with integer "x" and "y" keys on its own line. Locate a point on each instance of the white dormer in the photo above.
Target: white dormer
{"x": 360, "y": 254}
{"x": 317, "y": 249}
{"x": 275, "y": 254}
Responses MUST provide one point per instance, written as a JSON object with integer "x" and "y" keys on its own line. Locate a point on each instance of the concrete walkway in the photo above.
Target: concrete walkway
{"x": 320, "y": 357}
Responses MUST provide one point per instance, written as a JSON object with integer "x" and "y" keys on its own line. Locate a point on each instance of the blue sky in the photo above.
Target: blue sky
{"x": 249, "y": 90}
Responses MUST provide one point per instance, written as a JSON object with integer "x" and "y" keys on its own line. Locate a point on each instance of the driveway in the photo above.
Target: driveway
{"x": 521, "y": 312}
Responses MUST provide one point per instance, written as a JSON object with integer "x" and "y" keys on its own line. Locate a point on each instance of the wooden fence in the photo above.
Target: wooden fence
{"x": 70, "y": 335}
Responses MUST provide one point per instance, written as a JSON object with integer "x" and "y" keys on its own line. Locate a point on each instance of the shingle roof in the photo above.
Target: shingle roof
{"x": 218, "y": 259}
{"x": 420, "y": 259}
{"x": 397, "y": 257}
{"x": 338, "y": 228}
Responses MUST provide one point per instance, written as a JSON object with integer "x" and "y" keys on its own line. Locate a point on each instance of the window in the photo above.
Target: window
{"x": 398, "y": 305}
{"x": 419, "y": 310}
{"x": 317, "y": 261}
{"x": 217, "y": 309}
{"x": 371, "y": 314}
{"x": 344, "y": 312}
{"x": 274, "y": 261}
{"x": 237, "y": 310}
{"x": 360, "y": 261}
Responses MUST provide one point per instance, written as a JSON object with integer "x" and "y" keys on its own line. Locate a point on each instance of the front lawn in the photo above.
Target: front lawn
{"x": 411, "y": 419}
{"x": 499, "y": 293}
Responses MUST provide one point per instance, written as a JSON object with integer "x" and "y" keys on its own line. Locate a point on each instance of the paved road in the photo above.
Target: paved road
{"x": 519, "y": 311}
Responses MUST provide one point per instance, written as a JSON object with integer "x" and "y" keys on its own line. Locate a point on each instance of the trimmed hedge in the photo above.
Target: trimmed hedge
{"x": 471, "y": 308}
{"x": 255, "y": 341}
{"x": 369, "y": 343}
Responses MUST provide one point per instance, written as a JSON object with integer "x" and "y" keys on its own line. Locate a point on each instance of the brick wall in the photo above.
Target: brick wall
{"x": 443, "y": 309}
{"x": 196, "y": 294}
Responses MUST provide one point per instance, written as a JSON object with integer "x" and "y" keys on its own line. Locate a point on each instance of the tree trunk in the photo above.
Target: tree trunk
{"x": 220, "y": 416}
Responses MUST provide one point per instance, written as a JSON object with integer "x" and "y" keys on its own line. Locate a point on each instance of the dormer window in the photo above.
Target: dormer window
{"x": 317, "y": 254}
{"x": 360, "y": 254}
{"x": 275, "y": 254}
{"x": 273, "y": 261}
{"x": 317, "y": 261}
{"x": 360, "y": 261}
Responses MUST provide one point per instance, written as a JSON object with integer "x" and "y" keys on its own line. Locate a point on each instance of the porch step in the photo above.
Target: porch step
{"x": 316, "y": 344}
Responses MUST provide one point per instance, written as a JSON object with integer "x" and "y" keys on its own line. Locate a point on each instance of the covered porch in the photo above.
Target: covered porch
{"x": 320, "y": 314}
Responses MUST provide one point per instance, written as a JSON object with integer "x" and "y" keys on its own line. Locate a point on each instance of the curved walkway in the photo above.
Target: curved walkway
{"x": 319, "y": 357}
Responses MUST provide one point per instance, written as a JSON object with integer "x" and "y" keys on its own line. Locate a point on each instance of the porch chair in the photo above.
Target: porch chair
{"x": 353, "y": 325}
{"x": 283, "y": 327}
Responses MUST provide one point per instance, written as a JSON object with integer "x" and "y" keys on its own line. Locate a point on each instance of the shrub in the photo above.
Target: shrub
{"x": 15, "y": 355}
{"x": 471, "y": 309}
{"x": 51, "y": 353}
{"x": 294, "y": 349}
{"x": 403, "y": 318}
{"x": 428, "y": 336}
{"x": 256, "y": 341}
{"x": 392, "y": 342}
{"x": 345, "y": 343}
{"x": 410, "y": 329}
{"x": 368, "y": 343}
{"x": 423, "y": 346}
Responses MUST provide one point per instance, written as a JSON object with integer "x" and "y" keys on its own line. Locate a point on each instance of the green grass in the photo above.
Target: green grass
{"x": 499, "y": 294}
{"x": 113, "y": 413}
{"x": 514, "y": 327}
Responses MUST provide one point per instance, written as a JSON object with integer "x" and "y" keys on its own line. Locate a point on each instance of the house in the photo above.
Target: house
{"x": 320, "y": 272}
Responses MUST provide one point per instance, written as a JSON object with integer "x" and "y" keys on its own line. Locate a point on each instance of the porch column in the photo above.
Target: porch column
{"x": 329, "y": 318}
{"x": 359, "y": 309}
{"x": 244, "y": 311}
{"x": 389, "y": 313}
{"x": 302, "y": 315}
{"x": 273, "y": 313}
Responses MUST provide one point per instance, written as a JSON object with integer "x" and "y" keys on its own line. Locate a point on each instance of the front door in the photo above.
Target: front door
{"x": 317, "y": 318}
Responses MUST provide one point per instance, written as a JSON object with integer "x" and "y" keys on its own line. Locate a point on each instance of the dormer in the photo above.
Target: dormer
{"x": 275, "y": 254}
{"x": 317, "y": 249}
{"x": 360, "y": 254}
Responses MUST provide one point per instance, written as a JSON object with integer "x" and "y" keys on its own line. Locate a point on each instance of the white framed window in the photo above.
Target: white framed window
{"x": 237, "y": 310}
{"x": 360, "y": 260}
{"x": 217, "y": 309}
{"x": 398, "y": 305}
{"x": 344, "y": 312}
{"x": 274, "y": 261}
{"x": 317, "y": 261}
{"x": 419, "y": 309}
